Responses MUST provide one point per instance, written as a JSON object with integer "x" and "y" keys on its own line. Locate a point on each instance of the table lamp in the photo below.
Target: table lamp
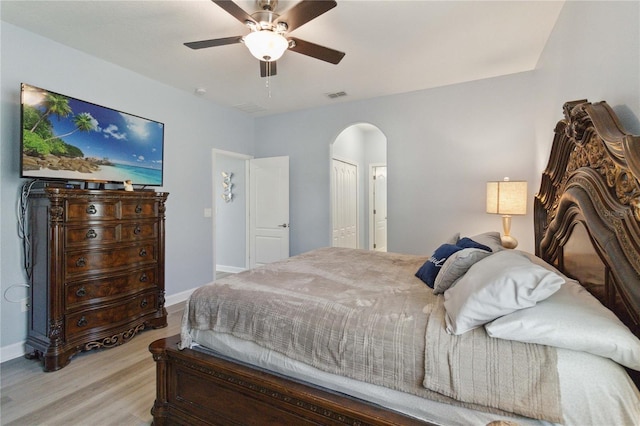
{"x": 507, "y": 197}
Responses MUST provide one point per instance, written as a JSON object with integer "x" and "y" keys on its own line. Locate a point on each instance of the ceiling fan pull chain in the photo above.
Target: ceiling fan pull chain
{"x": 268, "y": 85}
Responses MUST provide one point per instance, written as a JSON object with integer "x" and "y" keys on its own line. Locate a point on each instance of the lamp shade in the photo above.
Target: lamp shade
{"x": 507, "y": 197}
{"x": 266, "y": 45}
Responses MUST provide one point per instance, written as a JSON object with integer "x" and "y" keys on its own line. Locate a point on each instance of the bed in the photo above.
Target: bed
{"x": 338, "y": 336}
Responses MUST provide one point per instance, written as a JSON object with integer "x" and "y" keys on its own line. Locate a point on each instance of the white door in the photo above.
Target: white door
{"x": 268, "y": 210}
{"x": 344, "y": 204}
{"x": 380, "y": 208}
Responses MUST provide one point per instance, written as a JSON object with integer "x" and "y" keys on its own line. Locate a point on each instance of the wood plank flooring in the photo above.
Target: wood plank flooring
{"x": 105, "y": 387}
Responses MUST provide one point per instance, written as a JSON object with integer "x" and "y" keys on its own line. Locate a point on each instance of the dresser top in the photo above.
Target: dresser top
{"x": 98, "y": 193}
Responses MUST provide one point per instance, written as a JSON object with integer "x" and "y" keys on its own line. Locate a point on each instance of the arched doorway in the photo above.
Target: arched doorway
{"x": 358, "y": 188}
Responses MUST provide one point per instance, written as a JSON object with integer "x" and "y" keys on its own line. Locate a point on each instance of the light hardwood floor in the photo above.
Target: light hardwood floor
{"x": 106, "y": 387}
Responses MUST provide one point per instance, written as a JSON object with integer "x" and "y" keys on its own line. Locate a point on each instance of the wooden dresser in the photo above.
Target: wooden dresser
{"x": 98, "y": 270}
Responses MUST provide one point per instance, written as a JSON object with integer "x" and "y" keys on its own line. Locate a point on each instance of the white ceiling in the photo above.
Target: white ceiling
{"x": 391, "y": 46}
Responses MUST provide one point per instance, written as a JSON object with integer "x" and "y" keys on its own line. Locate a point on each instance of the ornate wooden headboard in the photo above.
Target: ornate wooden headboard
{"x": 587, "y": 212}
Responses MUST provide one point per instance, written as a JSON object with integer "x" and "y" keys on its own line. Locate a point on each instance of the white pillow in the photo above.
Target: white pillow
{"x": 495, "y": 286}
{"x": 572, "y": 319}
{"x": 456, "y": 266}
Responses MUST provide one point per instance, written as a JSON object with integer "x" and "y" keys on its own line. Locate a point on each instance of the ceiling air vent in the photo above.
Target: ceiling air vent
{"x": 336, "y": 95}
{"x": 250, "y": 108}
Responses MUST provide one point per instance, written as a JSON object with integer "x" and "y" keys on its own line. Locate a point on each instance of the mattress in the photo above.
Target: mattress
{"x": 582, "y": 404}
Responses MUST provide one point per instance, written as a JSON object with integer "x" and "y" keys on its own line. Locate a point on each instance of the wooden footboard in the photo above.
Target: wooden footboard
{"x": 195, "y": 388}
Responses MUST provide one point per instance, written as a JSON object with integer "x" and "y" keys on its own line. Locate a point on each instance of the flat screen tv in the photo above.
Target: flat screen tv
{"x": 64, "y": 138}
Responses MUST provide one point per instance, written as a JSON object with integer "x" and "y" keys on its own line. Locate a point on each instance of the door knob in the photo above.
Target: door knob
{"x": 284, "y": 225}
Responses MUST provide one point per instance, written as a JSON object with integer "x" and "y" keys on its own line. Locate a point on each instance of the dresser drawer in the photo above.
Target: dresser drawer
{"x": 93, "y": 234}
{"x": 132, "y": 209}
{"x": 93, "y": 320}
{"x": 104, "y": 233}
{"x": 139, "y": 230}
{"x": 95, "y": 261}
{"x": 89, "y": 292}
{"x": 87, "y": 209}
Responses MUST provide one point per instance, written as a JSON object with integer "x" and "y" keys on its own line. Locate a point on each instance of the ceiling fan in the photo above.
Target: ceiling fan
{"x": 269, "y": 39}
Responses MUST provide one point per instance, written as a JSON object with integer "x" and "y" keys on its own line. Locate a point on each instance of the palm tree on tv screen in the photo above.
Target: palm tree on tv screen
{"x": 54, "y": 104}
{"x": 84, "y": 123}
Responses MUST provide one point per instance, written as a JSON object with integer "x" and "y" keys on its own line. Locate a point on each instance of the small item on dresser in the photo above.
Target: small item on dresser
{"x": 128, "y": 185}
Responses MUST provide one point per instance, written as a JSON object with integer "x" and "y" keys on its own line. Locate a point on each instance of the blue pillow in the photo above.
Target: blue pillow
{"x": 431, "y": 267}
{"x": 467, "y": 242}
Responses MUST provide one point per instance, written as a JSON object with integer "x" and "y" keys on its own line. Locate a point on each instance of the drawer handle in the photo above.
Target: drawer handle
{"x": 81, "y": 292}
{"x": 144, "y": 303}
{"x": 142, "y": 252}
{"x": 81, "y": 262}
{"x": 82, "y": 322}
{"x": 91, "y": 209}
{"x": 144, "y": 278}
{"x": 138, "y": 208}
{"x": 91, "y": 234}
{"x": 137, "y": 230}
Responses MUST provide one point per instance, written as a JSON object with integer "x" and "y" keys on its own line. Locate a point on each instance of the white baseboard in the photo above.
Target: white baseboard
{"x": 174, "y": 299}
{"x": 16, "y": 350}
{"x": 230, "y": 269}
{"x": 13, "y": 351}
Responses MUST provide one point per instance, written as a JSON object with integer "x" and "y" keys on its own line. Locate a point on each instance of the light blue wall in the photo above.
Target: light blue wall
{"x": 350, "y": 145}
{"x": 231, "y": 235}
{"x": 376, "y": 147}
{"x": 192, "y": 128}
{"x": 593, "y": 53}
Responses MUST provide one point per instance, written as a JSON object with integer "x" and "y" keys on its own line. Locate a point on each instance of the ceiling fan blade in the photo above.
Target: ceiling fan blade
{"x": 234, "y": 10}
{"x": 213, "y": 42}
{"x": 267, "y": 69}
{"x": 316, "y": 51}
{"x": 305, "y": 11}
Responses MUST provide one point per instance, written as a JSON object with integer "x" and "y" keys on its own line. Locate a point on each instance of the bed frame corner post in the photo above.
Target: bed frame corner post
{"x": 159, "y": 411}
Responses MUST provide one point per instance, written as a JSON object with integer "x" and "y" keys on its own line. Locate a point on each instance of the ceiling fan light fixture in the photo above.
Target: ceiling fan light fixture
{"x": 266, "y": 45}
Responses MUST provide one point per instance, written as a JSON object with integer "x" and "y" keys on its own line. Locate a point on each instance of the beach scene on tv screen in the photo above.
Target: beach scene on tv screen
{"x": 66, "y": 138}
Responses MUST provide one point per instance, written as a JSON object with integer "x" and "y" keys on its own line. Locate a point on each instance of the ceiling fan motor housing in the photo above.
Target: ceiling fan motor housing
{"x": 265, "y": 20}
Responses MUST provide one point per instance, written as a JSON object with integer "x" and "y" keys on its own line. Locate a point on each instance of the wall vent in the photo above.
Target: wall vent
{"x": 336, "y": 95}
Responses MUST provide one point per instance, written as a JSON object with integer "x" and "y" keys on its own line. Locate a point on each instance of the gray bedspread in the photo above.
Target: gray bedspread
{"x": 364, "y": 315}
